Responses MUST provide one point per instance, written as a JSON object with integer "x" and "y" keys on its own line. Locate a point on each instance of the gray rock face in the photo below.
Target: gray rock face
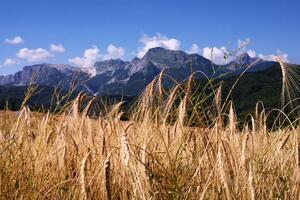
{"x": 129, "y": 78}
{"x": 44, "y": 74}
{"x": 109, "y": 66}
{"x": 6, "y": 80}
{"x": 243, "y": 61}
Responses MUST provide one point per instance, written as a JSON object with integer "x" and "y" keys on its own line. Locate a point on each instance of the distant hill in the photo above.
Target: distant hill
{"x": 119, "y": 78}
{"x": 257, "y": 86}
{"x": 129, "y": 78}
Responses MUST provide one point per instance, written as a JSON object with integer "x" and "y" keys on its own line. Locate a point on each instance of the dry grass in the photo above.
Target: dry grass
{"x": 157, "y": 155}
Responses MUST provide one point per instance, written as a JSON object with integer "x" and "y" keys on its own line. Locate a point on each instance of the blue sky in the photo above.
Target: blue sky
{"x": 82, "y": 31}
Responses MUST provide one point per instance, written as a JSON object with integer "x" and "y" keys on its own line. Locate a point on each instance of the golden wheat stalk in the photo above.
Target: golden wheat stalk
{"x": 125, "y": 150}
{"x": 84, "y": 194}
{"x": 250, "y": 183}
{"x": 221, "y": 170}
{"x": 107, "y": 179}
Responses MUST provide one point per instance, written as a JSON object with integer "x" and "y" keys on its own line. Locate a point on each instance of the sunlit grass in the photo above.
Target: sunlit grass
{"x": 177, "y": 144}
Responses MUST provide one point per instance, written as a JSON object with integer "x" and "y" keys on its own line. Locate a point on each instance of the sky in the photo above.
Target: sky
{"x": 80, "y": 32}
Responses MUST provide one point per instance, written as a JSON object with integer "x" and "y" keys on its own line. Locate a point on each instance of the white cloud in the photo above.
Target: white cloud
{"x": 15, "y": 40}
{"x": 242, "y": 44}
{"x": 194, "y": 49}
{"x": 114, "y": 52}
{"x": 90, "y": 56}
{"x": 222, "y": 55}
{"x": 242, "y": 47}
{"x": 271, "y": 57}
{"x": 157, "y": 40}
{"x": 57, "y": 48}
{"x": 9, "y": 61}
{"x": 251, "y": 53}
{"x": 217, "y": 55}
{"x": 33, "y": 55}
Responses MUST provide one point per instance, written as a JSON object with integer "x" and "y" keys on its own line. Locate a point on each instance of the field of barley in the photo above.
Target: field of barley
{"x": 172, "y": 146}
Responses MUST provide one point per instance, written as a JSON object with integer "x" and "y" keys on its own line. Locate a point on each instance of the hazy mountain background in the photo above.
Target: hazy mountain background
{"x": 127, "y": 79}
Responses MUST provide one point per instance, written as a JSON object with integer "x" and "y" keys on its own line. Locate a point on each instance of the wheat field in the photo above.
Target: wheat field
{"x": 169, "y": 148}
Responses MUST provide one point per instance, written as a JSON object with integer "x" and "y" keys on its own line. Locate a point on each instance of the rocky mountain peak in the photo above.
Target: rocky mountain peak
{"x": 118, "y": 76}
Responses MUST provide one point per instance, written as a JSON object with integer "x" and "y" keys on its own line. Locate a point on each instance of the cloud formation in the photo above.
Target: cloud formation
{"x": 271, "y": 57}
{"x": 242, "y": 44}
{"x": 251, "y": 53}
{"x": 157, "y": 40}
{"x": 217, "y": 55}
{"x": 15, "y": 40}
{"x": 34, "y": 55}
{"x": 9, "y": 61}
{"x": 194, "y": 49}
{"x": 114, "y": 52}
{"x": 90, "y": 56}
{"x": 57, "y": 48}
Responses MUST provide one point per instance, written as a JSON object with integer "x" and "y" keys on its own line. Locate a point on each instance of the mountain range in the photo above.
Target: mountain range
{"x": 130, "y": 77}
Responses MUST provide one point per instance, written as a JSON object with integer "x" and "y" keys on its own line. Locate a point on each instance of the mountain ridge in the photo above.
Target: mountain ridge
{"x": 116, "y": 76}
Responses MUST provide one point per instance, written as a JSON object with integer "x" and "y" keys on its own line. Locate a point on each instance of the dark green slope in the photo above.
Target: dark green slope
{"x": 252, "y": 87}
